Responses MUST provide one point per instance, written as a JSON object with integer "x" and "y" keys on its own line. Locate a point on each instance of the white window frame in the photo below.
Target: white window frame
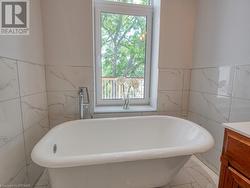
{"x": 127, "y": 9}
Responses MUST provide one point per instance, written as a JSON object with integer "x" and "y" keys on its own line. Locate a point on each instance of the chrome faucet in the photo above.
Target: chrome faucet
{"x": 84, "y": 103}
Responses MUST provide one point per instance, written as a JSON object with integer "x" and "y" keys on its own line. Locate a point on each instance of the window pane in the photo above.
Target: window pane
{"x": 140, "y": 2}
{"x": 123, "y": 52}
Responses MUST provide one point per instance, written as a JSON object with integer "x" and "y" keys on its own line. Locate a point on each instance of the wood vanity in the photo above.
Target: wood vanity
{"x": 235, "y": 159}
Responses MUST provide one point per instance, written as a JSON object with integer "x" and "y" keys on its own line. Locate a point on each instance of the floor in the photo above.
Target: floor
{"x": 193, "y": 175}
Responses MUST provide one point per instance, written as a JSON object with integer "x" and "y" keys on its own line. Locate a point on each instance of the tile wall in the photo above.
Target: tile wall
{"x": 63, "y": 83}
{"x": 219, "y": 95}
{"x": 23, "y": 119}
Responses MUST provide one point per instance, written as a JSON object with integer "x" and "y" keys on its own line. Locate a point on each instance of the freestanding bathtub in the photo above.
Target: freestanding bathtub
{"x": 134, "y": 152}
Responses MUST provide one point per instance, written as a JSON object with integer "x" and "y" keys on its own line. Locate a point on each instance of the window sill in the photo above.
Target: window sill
{"x": 119, "y": 109}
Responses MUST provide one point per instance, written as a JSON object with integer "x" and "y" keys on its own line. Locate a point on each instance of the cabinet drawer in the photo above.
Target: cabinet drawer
{"x": 234, "y": 179}
{"x": 237, "y": 151}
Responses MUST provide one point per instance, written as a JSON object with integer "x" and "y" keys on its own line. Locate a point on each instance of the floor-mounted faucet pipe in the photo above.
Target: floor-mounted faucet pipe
{"x": 83, "y": 101}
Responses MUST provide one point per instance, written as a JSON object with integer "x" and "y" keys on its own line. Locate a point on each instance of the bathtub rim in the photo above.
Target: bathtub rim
{"x": 49, "y": 161}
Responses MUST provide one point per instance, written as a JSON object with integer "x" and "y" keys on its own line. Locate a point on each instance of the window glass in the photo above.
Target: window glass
{"x": 123, "y": 55}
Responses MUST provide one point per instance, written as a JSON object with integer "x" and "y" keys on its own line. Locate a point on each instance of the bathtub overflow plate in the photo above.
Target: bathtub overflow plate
{"x": 54, "y": 148}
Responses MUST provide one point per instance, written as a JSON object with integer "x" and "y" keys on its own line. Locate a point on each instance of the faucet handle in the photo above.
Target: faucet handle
{"x": 84, "y": 93}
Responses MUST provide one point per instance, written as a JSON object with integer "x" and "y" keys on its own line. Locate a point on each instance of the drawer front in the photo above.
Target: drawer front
{"x": 234, "y": 179}
{"x": 237, "y": 151}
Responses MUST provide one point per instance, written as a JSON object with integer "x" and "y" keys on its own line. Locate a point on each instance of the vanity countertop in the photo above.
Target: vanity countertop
{"x": 241, "y": 128}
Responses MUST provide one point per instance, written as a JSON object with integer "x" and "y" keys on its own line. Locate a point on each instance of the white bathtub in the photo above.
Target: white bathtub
{"x": 134, "y": 152}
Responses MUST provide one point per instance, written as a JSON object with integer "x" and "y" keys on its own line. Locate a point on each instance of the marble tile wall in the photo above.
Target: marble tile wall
{"x": 23, "y": 119}
{"x": 219, "y": 95}
{"x": 63, "y": 83}
{"x": 173, "y": 91}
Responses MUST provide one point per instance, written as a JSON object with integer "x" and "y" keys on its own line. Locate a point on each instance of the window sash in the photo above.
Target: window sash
{"x": 117, "y": 4}
{"x": 126, "y": 9}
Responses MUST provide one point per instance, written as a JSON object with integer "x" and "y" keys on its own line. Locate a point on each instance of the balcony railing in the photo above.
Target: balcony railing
{"x": 112, "y": 90}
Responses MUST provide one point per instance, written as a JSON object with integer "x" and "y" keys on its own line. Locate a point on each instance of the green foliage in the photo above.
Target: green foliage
{"x": 123, "y": 45}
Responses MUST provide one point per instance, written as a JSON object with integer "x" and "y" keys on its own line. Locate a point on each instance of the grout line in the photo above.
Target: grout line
{"x": 22, "y": 121}
{"x": 189, "y": 90}
{"x": 175, "y": 69}
{"x": 239, "y": 98}
{"x": 75, "y": 66}
{"x": 43, "y": 64}
{"x": 165, "y": 91}
{"x": 19, "y": 171}
{"x": 182, "y": 94}
{"x": 232, "y": 93}
{"x": 37, "y": 180}
{"x": 190, "y": 79}
{"x": 19, "y": 96}
{"x": 30, "y": 63}
{"x": 60, "y": 91}
{"x": 46, "y": 79}
{"x": 228, "y": 96}
{"x": 11, "y": 99}
{"x": 21, "y": 60}
{"x": 36, "y": 93}
{"x": 208, "y": 93}
{"x": 212, "y": 67}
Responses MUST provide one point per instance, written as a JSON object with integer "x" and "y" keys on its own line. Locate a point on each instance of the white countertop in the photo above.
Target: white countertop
{"x": 241, "y": 128}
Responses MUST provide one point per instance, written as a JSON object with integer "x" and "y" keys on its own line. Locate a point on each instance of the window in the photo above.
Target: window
{"x": 123, "y": 51}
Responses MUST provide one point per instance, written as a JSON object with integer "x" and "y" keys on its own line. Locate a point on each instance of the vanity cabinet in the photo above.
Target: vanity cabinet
{"x": 235, "y": 161}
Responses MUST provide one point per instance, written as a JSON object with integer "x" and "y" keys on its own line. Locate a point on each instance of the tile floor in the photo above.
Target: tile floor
{"x": 193, "y": 175}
